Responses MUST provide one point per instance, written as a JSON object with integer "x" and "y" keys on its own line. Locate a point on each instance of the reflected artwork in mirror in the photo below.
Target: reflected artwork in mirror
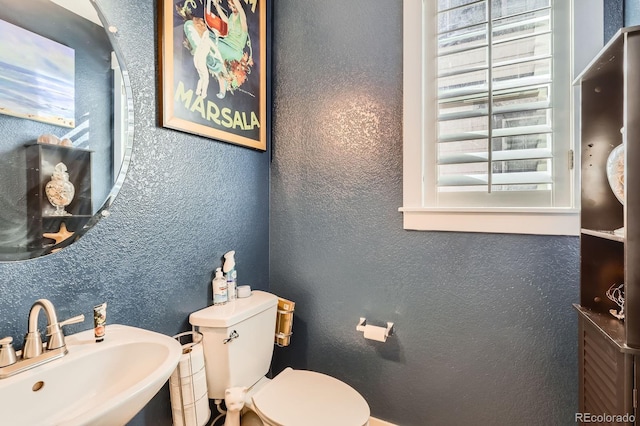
{"x": 56, "y": 177}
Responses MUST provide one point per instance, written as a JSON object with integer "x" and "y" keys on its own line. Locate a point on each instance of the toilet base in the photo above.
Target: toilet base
{"x": 249, "y": 418}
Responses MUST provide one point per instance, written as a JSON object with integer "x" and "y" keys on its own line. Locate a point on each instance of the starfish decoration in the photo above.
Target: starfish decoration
{"x": 61, "y": 235}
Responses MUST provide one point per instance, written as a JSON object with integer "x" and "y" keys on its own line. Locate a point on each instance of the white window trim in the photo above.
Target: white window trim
{"x": 417, "y": 214}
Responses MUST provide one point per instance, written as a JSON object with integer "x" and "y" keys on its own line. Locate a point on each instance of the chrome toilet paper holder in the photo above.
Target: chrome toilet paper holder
{"x": 362, "y": 324}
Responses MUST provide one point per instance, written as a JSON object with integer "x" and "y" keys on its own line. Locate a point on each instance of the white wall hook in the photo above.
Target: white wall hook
{"x": 373, "y": 332}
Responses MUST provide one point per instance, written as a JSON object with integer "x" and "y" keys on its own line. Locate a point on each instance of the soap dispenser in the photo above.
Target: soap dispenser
{"x": 231, "y": 274}
{"x": 219, "y": 284}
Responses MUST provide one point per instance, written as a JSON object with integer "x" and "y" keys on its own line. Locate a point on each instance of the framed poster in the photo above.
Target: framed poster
{"x": 213, "y": 69}
{"x": 37, "y": 77}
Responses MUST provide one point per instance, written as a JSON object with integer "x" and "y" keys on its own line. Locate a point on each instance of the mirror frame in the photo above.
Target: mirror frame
{"x": 112, "y": 33}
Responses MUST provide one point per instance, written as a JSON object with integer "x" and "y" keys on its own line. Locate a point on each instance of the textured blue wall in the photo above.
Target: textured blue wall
{"x": 618, "y": 13}
{"x": 486, "y": 333}
{"x": 185, "y": 202}
{"x": 614, "y": 17}
{"x": 631, "y": 13}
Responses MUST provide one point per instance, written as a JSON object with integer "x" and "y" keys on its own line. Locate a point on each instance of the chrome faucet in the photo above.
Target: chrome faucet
{"x": 33, "y": 340}
{"x": 32, "y": 354}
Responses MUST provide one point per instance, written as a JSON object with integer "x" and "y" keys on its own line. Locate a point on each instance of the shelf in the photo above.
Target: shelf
{"x": 73, "y": 216}
{"x": 610, "y": 327}
{"x": 41, "y": 160}
{"x": 609, "y": 348}
{"x": 609, "y": 235}
{"x": 62, "y": 148}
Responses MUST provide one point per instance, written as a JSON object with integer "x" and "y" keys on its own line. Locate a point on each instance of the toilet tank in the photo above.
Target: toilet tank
{"x": 237, "y": 340}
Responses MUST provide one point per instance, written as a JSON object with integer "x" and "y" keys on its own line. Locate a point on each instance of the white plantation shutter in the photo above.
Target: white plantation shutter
{"x": 487, "y": 144}
{"x": 495, "y": 119}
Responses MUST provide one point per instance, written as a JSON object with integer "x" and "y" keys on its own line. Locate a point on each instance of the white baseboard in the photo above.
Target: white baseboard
{"x": 377, "y": 422}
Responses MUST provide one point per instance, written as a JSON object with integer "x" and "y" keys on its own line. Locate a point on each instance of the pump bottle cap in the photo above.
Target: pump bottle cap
{"x": 229, "y": 261}
{"x": 219, "y": 273}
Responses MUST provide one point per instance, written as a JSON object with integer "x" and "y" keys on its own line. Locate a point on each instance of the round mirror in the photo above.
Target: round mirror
{"x": 66, "y": 120}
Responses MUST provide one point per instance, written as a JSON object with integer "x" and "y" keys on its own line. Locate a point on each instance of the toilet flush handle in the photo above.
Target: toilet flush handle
{"x": 233, "y": 335}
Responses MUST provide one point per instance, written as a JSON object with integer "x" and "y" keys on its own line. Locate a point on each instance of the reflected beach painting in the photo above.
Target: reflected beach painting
{"x": 37, "y": 77}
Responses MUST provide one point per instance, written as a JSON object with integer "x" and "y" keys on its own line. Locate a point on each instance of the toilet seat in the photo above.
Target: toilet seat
{"x": 307, "y": 398}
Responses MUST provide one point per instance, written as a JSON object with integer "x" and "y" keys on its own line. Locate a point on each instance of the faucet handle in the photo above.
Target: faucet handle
{"x": 55, "y": 334}
{"x": 7, "y": 352}
{"x": 72, "y": 320}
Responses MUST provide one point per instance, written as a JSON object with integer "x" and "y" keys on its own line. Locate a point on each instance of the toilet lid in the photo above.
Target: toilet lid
{"x": 300, "y": 397}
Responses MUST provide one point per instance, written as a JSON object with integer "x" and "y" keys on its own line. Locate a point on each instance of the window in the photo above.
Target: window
{"x": 487, "y": 117}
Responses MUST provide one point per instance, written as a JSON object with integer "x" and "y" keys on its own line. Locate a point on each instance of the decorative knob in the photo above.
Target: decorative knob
{"x": 7, "y": 353}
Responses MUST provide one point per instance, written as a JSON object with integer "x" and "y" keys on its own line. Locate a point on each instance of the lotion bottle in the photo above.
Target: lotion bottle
{"x": 219, "y": 284}
{"x": 231, "y": 274}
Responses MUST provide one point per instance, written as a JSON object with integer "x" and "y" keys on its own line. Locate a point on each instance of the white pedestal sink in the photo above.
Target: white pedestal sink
{"x": 95, "y": 384}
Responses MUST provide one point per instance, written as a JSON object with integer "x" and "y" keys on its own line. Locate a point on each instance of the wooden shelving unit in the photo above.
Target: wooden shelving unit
{"x": 41, "y": 160}
{"x": 610, "y": 115}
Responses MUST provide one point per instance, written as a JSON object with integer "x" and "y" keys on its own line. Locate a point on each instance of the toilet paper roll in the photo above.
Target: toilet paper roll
{"x": 375, "y": 333}
{"x": 191, "y": 361}
{"x": 185, "y": 390}
{"x": 197, "y": 414}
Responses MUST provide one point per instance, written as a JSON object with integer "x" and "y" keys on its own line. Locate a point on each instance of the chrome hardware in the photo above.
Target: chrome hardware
{"x": 27, "y": 364}
{"x": 56, "y": 337}
{"x": 233, "y": 335}
{"x": 378, "y": 333}
{"x": 7, "y": 353}
{"x": 33, "y": 340}
{"x": 32, "y": 354}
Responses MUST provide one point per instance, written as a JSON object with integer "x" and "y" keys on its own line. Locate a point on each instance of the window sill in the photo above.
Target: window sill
{"x": 503, "y": 220}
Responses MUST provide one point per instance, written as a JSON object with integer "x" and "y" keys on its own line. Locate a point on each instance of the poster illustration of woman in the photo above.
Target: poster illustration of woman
{"x": 213, "y": 69}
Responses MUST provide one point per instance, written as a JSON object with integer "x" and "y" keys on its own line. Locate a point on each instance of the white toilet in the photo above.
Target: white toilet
{"x": 238, "y": 340}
